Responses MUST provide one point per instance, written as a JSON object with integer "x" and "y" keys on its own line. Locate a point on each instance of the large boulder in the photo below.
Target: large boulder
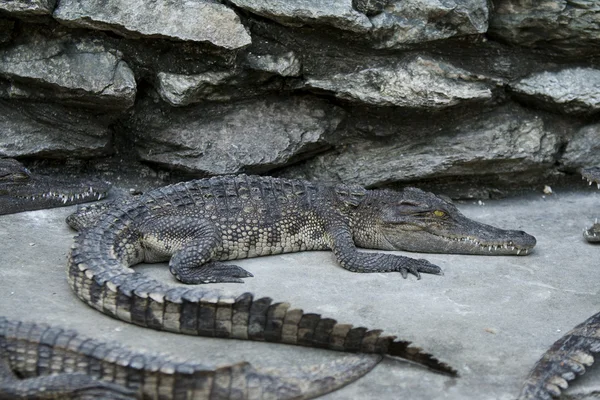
{"x": 198, "y": 21}
{"x": 46, "y": 130}
{"x": 388, "y": 24}
{"x": 583, "y": 149}
{"x": 570, "y": 91}
{"x": 245, "y": 136}
{"x": 55, "y": 65}
{"x": 28, "y": 8}
{"x": 561, "y": 25}
{"x": 419, "y": 82}
{"x": 506, "y": 140}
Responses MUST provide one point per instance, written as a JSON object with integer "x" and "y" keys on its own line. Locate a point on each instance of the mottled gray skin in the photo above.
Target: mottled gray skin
{"x": 38, "y": 361}
{"x": 20, "y": 190}
{"x": 199, "y": 224}
{"x": 569, "y": 355}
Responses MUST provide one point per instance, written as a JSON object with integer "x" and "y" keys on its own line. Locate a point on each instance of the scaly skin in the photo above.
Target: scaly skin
{"x": 569, "y": 355}
{"x": 20, "y": 190}
{"x": 201, "y": 223}
{"x": 42, "y": 362}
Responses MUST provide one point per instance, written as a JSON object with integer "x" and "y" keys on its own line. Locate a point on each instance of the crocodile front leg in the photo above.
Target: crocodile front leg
{"x": 194, "y": 245}
{"x": 349, "y": 257}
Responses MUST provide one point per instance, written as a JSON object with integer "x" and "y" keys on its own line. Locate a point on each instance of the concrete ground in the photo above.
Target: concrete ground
{"x": 489, "y": 317}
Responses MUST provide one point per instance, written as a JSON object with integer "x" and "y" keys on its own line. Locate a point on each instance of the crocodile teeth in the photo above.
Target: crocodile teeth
{"x": 518, "y": 251}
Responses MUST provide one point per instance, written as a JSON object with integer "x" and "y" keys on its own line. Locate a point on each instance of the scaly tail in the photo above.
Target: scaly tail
{"x": 40, "y": 361}
{"x": 563, "y": 362}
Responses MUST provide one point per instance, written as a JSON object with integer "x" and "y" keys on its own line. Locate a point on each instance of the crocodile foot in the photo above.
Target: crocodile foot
{"x": 213, "y": 272}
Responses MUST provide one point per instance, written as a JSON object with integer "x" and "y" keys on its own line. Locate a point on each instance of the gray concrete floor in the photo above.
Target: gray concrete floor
{"x": 489, "y": 317}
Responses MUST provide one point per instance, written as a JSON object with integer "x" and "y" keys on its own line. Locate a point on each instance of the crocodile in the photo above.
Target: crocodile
{"x": 199, "y": 224}
{"x": 38, "y": 361}
{"x": 568, "y": 357}
{"x": 20, "y": 190}
{"x": 592, "y": 175}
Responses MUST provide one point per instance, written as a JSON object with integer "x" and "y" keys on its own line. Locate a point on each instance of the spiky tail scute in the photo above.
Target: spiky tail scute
{"x": 563, "y": 362}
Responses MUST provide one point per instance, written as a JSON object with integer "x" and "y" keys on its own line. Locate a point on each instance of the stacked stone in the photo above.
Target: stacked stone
{"x": 372, "y": 92}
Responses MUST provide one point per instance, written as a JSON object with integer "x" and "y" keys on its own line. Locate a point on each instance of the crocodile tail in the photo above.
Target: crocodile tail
{"x": 39, "y": 350}
{"x": 564, "y": 361}
{"x": 134, "y": 298}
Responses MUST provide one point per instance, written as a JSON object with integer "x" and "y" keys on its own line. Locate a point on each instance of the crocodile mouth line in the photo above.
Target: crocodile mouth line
{"x": 491, "y": 247}
{"x": 65, "y": 197}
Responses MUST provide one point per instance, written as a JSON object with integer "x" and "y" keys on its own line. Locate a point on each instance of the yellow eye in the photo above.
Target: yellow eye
{"x": 439, "y": 213}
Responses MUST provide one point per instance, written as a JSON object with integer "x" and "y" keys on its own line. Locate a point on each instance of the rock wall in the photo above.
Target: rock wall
{"x": 485, "y": 96}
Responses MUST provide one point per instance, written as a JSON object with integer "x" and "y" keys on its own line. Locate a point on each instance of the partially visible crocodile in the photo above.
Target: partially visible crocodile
{"x": 199, "y": 224}
{"x": 569, "y": 355}
{"x": 20, "y": 190}
{"x": 592, "y": 175}
{"x": 38, "y": 361}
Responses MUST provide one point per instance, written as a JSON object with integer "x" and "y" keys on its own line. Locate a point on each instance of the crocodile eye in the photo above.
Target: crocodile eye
{"x": 439, "y": 213}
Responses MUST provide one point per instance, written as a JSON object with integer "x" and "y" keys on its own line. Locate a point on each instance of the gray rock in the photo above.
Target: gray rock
{"x": 28, "y": 8}
{"x": 416, "y": 21}
{"x": 419, "y": 82}
{"x": 37, "y": 129}
{"x": 369, "y": 7}
{"x": 583, "y": 149}
{"x": 287, "y": 64}
{"x": 252, "y": 136}
{"x": 182, "y": 89}
{"x": 338, "y": 14}
{"x": 507, "y": 140}
{"x": 569, "y": 26}
{"x": 69, "y": 69}
{"x": 199, "y": 21}
{"x": 387, "y": 25}
{"x": 573, "y": 90}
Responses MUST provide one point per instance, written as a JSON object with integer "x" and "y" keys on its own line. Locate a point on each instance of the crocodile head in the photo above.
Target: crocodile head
{"x": 20, "y": 190}
{"x": 419, "y": 221}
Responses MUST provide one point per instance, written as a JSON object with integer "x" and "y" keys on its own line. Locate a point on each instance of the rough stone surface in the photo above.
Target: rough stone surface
{"x": 415, "y": 21}
{"x": 583, "y": 150}
{"x": 69, "y": 69}
{"x": 287, "y": 64}
{"x": 200, "y": 21}
{"x": 38, "y": 129}
{"x": 339, "y": 14}
{"x": 569, "y": 26}
{"x": 182, "y": 90}
{"x": 388, "y": 77}
{"x": 420, "y": 82}
{"x": 385, "y": 25}
{"x": 254, "y": 136}
{"x": 572, "y": 91}
{"x": 28, "y": 8}
{"x": 521, "y": 141}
